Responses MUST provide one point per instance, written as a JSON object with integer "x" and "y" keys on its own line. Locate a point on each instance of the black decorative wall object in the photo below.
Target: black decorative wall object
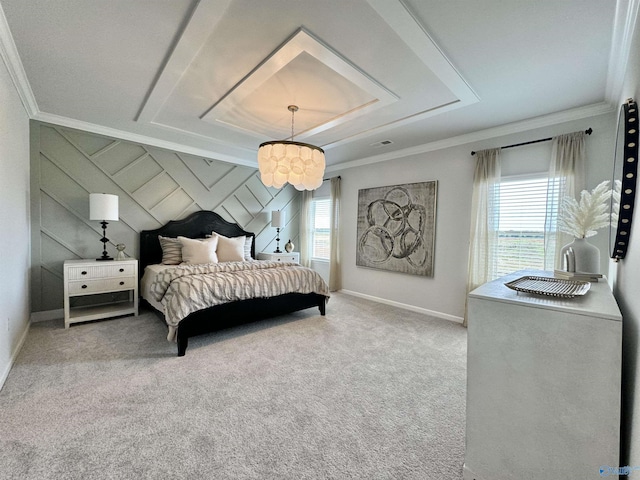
{"x": 624, "y": 180}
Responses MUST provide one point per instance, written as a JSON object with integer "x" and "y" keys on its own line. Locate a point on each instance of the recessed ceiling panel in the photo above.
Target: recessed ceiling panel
{"x": 322, "y": 95}
{"x": 327, "y": 89}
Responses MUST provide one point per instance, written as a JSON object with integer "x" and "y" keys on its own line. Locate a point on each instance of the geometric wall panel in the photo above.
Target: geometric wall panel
{"x": 153, "y": 185}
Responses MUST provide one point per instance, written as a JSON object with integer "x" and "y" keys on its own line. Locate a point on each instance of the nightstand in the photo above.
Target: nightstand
{"x": 280, "y": 257}
{"x": 83, "y": 278}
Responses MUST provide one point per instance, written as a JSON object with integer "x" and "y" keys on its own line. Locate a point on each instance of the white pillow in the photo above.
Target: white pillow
{"x": 247, "y": 247}
{"x": 199, "y": 251}
{"x": 229, "y": 249}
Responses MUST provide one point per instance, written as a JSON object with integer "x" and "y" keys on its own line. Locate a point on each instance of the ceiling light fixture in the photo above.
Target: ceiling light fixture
{"x": 282, "y": 161}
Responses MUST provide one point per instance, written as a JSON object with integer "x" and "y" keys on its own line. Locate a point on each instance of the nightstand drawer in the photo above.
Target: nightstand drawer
{"x": 280, "y": 257}
{"x": 101, "y": 271}
{"x": 101, "y": 285}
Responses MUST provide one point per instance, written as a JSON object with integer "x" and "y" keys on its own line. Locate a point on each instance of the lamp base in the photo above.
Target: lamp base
{"x": 277, "y": 250}
{"x": 104, "y": 240}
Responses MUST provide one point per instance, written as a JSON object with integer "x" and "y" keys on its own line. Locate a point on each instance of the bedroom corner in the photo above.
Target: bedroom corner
{"x": 14, "y": 222}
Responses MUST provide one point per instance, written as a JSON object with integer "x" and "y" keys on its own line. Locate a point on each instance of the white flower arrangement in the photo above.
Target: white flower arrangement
{"x": 615, "y": 202}
{"x": 582, "y": 219}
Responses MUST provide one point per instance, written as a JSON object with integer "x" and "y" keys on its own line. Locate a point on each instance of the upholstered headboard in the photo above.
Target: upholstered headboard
{"x": 197, "y": 225}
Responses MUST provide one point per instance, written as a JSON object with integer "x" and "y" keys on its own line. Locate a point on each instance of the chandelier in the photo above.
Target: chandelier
{"x": 282, "y": 161}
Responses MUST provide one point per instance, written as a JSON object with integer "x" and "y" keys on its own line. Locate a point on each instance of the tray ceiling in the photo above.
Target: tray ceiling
{"x": 215, "y": 77}
{"x": 339, "y": 97}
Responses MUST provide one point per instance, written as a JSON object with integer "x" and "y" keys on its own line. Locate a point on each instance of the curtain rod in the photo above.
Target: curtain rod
{"x": 327, "y": 179}
{"x": 588, "y": 131}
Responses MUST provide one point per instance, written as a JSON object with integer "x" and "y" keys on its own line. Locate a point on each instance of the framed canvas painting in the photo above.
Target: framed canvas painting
{"x": 396, "y": 228}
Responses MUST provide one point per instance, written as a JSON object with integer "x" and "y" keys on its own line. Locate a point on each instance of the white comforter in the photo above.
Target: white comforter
{"x": 188, "y": 288}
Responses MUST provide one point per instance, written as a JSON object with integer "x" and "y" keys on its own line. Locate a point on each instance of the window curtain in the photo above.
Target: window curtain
{"x": 305, "y": 228}
{"x": 566, "y": 178}
{"x": 335, "y": 274}
{"x": 485, "y": 220}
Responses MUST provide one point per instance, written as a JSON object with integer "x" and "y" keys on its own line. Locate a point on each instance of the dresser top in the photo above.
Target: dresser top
{"x": 98, "y": 262}
{"x": 598, "y": 301}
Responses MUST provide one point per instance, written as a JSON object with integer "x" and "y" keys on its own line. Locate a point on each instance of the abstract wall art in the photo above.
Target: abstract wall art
{"x": 396, "y": 228}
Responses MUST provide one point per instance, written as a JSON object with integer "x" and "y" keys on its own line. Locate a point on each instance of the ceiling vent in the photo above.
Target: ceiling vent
{"x": 383, "y": 143}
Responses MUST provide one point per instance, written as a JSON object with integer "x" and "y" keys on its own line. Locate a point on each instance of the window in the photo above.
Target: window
{"x": 521, "y": 235}
{"x": 321, "y": 228}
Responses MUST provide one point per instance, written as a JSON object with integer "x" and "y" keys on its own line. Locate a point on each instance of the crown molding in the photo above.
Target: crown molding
{"x": 623, "y": 29}
{"x": 503, "y": 130}
{"x": 139, "y": 138}
{"x": 11, "y": 57}
{"x": 588, "y": 111}
{"x": 625, "y": 21}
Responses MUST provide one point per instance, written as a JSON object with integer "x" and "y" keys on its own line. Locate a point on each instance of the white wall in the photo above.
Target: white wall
{"x": 444, "y": 294}
{"x": 627, "y": 273}
{"x": 14, "y": 222}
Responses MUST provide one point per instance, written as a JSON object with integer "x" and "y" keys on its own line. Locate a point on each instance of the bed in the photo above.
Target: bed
{"x": 200, "y": 225}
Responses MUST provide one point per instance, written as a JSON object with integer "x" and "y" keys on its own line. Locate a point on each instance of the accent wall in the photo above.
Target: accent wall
{"x": 153, "y": 185}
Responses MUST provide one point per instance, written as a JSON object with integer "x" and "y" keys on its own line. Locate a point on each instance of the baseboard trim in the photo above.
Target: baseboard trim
{"x": 468, "y": 474}
{"x": 14, "y": 355}
{"x": 47, "y": 315}
{"x": 433, "y": 313}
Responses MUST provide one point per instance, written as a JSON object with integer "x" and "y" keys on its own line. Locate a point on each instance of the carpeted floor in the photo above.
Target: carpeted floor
{"x": 367, "y": 392}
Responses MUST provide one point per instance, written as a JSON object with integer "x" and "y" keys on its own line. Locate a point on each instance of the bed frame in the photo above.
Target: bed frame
{"x": 199, "y": 225}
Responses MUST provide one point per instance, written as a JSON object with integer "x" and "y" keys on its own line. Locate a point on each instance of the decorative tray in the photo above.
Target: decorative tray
{"x": 553, "y": 287}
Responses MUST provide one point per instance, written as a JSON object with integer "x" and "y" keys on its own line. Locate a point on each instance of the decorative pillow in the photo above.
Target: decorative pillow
{"x": 199, "y": 251}
{"x": 247, "y": 247}
{"x": 171, "y": 250}
{"x": 229, "y": 249}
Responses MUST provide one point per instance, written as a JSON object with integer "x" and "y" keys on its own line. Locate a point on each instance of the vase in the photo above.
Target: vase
{"x": 120, "y": 255}
{"x": 288, "y": 247}
{"x": 586, "y": 257}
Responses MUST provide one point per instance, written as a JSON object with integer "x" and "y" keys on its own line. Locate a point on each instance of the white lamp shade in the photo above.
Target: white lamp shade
{"x": 103, "y": 206}
{"x": 300, "y": 164}
{"x": 277, "y": 218}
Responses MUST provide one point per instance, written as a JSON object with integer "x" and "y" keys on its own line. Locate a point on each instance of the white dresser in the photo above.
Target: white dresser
{"x": 543, "y": 383}
{"x": 83, "y": 278}
{"x": 280, "y": 257}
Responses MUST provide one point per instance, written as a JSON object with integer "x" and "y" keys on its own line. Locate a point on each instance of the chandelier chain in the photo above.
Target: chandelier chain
{"x": 293, "y": 109}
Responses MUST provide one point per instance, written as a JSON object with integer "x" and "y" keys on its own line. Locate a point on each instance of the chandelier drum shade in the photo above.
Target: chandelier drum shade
{"x": 300, "y": 164}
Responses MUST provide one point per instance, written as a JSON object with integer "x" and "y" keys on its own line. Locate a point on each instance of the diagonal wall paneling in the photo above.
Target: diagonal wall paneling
{"x": 153, "y": 186}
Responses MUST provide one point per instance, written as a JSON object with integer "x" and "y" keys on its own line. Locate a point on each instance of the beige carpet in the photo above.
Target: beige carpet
{"x": 367, "y": 392}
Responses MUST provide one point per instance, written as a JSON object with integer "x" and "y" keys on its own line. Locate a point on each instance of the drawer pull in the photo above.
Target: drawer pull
{"x": 121, "y": 283}
{"x": 83, "y": 273}
{"x": 84, "y": 286}
{"x": 121, "y": 270}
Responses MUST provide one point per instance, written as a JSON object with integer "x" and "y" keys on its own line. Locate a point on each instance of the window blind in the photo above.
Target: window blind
{"x": 321, "y": 228}
{"x": 522, "y": 224}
